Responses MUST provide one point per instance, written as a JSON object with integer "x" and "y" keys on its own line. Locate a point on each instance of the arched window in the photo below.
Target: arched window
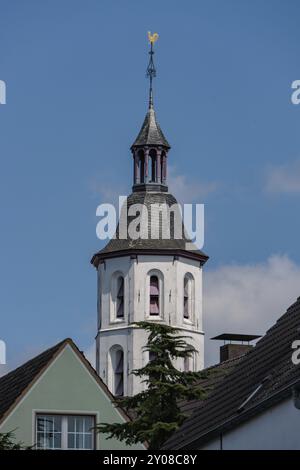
{"x": 120, "y": 297}
{"x": 152, "y": 356}
{"x": 117, "y": 370}
{"x": 186, "y": 364}
{"x": 117, "y": 303}
{"x": 188, "y": 288}
{"x": 154, "y": 296}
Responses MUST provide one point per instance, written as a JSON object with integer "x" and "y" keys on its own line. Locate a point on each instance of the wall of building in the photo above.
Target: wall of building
{"x": 68, "y": 388}
{"x": 112, "y": 331}
{"x": 276, "y": 428}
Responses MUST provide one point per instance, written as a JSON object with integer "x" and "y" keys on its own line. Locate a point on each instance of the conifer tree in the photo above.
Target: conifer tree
{"x": 156, "y": 410}
{"x": 7, "y": 442}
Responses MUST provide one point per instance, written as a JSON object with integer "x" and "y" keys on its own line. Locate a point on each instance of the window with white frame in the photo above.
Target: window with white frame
{"x": 65, "y": 432}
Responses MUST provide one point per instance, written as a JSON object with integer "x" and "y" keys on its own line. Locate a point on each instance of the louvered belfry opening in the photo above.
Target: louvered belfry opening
{"x": 119, "y": 373}
{"x": 186, "y": 298}
{"x": 153, "y": 159}
{"x": 186, "y": 364}
{"x": 154, "y": 295}
{"x": 120, "y": 297}
{"x": 141, "y": 167}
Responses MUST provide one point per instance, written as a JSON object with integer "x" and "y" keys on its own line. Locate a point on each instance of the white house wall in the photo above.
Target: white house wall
{"x": 276, "y": 428}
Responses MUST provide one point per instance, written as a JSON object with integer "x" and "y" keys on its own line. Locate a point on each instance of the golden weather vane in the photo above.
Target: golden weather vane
{"x": 152, "y": 37}
{"x": 151, "y": 72}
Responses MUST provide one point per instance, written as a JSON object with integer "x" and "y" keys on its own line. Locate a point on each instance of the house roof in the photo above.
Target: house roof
{"x": 15, "y": 384}
{"x": 212, "y": 376}
{"x": 263, "y": 376}
{"x": 118, "y": 246}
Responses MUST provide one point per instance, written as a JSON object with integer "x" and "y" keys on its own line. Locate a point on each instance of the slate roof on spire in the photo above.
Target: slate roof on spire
{"x": 151, "y": 133}
{"x": 118, "y": 246}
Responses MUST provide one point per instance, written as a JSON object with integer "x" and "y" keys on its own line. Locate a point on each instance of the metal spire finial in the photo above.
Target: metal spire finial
{"x": 151, "y": 71}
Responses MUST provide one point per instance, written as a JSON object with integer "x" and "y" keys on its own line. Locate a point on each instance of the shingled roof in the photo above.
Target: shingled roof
{"x": 118, "y": 246}
{"x": 213, "y": 375}
{"x": 263, "y": 377}
{"x": 151, "y": 133}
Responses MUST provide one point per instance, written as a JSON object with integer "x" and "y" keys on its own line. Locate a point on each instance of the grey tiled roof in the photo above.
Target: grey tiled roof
{"x": 117, "y": 244}
{"x": 151, "y": 133}
{"x": 13, "y": 384}
{"x": 215, "y": 374}
{"x": 268, "y": 364}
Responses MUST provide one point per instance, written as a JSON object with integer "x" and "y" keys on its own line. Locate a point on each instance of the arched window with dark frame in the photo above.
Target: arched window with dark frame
{"x": 118, "y": 371}
{"x": 154, "y": 295}
{"x": 187, "y": 297}
{"x": 120, "y": 297}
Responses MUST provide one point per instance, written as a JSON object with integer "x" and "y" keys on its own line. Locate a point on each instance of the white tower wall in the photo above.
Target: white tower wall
{"x": 115, "y": 333}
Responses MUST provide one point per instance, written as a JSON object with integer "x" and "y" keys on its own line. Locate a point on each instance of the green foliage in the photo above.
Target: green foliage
{"x": 156, "y": 410}
{"x": 7, "y": 442}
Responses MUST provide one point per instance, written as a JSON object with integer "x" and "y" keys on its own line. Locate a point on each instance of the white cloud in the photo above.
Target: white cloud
{"x": 284, "y": 178}
{"x": 247, "y": 298}
{"x": 186, "y": 190}
{"x": 105, "y": 190}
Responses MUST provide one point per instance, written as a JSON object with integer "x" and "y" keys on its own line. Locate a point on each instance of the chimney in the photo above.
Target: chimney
{"x": 240, "y": 346}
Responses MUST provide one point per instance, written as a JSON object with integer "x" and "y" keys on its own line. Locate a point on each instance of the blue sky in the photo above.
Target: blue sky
{"x": 76, "y": 97}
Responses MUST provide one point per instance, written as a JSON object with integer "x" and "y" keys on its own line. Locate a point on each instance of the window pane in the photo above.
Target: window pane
{"x": 71, "y": 423}
{"x": 57, "y": 440}
{"x": 71, "y": 441}
{"x": 154, "y": 285}
{"x": 89, "y": 424}
{"x": 57, "y": 424}
{"x": 79, "y": 424}
{"x": 40, "y": 440}
{"x": 88, "y": 442}
{"x": 80, "y": 433}
{"x": 79, "y": 441}
{"x": 48, "y": 432}
{"x": 154, "y": 306}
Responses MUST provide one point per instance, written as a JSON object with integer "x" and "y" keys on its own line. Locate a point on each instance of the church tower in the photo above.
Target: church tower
{"x": 150, "y": 278}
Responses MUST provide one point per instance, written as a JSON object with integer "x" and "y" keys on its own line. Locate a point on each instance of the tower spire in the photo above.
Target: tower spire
{"x": 150, "y": 148}
{"x": 151, "y": 71}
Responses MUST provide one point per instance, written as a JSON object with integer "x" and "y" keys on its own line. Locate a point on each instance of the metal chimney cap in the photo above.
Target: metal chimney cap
{"x": 236, "y": 337}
